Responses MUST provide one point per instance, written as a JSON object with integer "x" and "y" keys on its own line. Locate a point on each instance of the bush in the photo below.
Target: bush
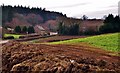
{"x": 9, "y": 37}
{"x": 22, "y": 37}
{"x": 91, "y": 32}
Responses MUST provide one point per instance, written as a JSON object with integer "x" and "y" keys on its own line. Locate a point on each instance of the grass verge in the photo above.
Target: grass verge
{"x": 16, "y": 36}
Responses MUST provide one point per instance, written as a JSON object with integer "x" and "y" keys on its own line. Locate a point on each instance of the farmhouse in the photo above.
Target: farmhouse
{"x": 40, "y": 30}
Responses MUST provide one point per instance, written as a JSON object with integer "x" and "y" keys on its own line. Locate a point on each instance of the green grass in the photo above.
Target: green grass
{"x": 16, "y": 36}
{"x": 105, "y": 41}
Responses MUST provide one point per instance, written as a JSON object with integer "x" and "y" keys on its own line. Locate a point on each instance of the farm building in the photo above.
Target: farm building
{"x": 40, "y": 30}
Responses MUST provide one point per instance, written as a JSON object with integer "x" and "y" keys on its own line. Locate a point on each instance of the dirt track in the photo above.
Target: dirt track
{"x": 57, "y": 58}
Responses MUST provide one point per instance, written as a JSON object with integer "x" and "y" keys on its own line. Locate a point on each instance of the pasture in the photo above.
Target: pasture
{"x": 108, "y": 42}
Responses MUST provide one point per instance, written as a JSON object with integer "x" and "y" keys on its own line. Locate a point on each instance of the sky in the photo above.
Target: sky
{"x": 72, "y": 8}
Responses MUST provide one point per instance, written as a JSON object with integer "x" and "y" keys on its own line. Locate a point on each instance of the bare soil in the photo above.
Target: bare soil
{"x": 57, "y": 38}
{"x": 18, "y": 57}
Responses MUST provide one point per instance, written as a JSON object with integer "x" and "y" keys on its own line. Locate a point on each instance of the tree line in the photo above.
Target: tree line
{"x": 25, "y": 30}
{"x": 9, "y": 11}
{"x": 68, "y": 29}
{"x": 111, "y": 24}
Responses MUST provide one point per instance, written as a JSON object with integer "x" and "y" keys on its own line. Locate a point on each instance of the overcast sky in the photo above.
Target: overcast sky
{"x": 72, "y": 8}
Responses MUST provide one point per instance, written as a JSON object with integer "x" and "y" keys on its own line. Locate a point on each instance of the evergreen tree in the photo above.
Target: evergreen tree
{"x": 24, "y": 30}
{"x": 18, "y": 29}
{"x": 76, "y": 29}
{"x": 60, "y": 28}
{"x": 31, "y": 29}
{"x": 111, "y": 24}
{"x": 109, "y": 19}
{"x": 72, "y": 29}
{"x": 117, "y": 24}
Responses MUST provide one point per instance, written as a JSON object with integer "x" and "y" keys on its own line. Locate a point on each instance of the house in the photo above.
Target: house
{"x": 10, "y": 30}
{"x": 40, "y": 30}
{"x": 53, "y": 33}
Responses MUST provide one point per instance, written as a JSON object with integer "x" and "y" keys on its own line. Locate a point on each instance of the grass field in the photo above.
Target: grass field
{"x": 106, "y": 41}
{"x": 16, "y": 36}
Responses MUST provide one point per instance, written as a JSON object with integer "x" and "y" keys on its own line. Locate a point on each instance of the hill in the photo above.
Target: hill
{"x": 25, "y": 16}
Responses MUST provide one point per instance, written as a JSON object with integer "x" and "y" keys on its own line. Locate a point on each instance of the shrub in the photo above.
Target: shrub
{"x": 9, "y": 37}
{"x": 22, "y": 37}
{"x": 91, "y": 32}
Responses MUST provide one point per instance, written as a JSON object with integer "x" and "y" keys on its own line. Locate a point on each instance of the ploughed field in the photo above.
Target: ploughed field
{"x": 57, "y": 58}
{"x": 55, "y": 39}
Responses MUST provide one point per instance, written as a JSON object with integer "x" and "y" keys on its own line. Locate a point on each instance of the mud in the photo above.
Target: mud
{"x": 20, "y": 57}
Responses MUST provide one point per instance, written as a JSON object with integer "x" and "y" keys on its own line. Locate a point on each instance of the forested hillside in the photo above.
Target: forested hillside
{"x": 19, "y": 15}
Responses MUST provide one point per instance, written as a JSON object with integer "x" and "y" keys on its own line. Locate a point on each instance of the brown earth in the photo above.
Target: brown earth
{"x": 57, "y": 38}
{"x": 43, "y": 58}
{"x": 42, "y": 39}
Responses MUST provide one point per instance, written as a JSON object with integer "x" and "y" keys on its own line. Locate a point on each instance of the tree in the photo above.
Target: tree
{"x": 17, "y": 29}
{"x": 109, "y": 19}
{"x": 10, "y": 15}
{"x": 84, "y": 17}
{"x": 117, "y": 24}
{"x": 111, "y": 24}
{"x": 72, "y": 29}
{"x": 24, "y": 30}
{"x": 60, "y": 27}
{"x": 31, "y": 29}
{"x": 50, "y": 28}
{"x": 104, "y": 17}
